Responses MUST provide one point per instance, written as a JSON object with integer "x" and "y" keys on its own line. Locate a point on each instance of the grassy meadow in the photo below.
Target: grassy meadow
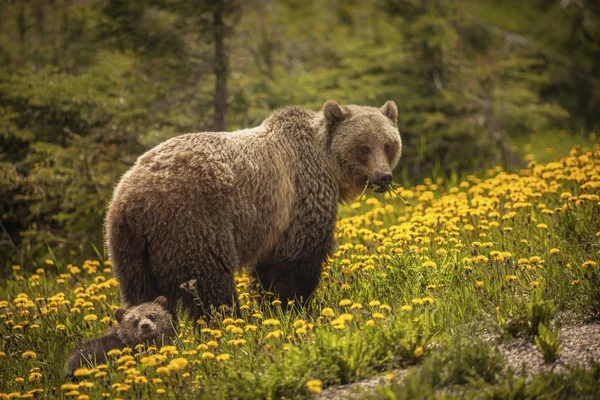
{"x": 420, "y": 275}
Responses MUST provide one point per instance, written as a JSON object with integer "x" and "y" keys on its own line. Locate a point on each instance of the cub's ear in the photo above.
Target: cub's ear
{"x": 390, "y": 110}
{"x": 162, "y": 300}
{"x": 119, "y": 313}
{"x": 334, "y": 114}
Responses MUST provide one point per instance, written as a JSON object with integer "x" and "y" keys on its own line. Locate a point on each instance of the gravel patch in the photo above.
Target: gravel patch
{"x": 580, "y": 347}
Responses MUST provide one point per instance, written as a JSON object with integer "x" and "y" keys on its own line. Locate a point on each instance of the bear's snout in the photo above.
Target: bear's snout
{"x": 383, "y": 180}
{"x": 146, "y": 326}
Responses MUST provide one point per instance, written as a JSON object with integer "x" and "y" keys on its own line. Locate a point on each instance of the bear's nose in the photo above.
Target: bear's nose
{"x": 145, "y": 326}
{"x": 384, "y": 179}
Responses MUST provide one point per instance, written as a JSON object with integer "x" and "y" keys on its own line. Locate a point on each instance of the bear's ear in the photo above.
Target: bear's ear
{"x": 390, "y": 110}
{"x": 334, "y": 114}
{"x": 162, "y": 300}
{"x": 119, "y": 313}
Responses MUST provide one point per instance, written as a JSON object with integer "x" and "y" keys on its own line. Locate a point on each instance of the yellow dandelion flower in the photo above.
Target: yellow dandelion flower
{"x": 356, "y": 306}
{"x": 565, "y": 195}
{"x": 163, "y": 370}
{"x": 588, "y": 263}
{"x": 34, "y": 377}
{"x": 90, "y": 317}
{"x": 315, "y": 386}
{"x": 177, "y": 363}
{"x": 207, "y": 354}
{"x": 374, "y": 303}
{"x": 429, "y": 264}
{"x": 345, "y": 302}
{"x": 161, "y": 391}
{"x": 114, "y": 352}
{"x": 271, "y": 321}
{"x": 418, "y": 351}
{"x": 301, "y": 331}
{"x": 212, "y": 343}
{"x": 223, "y": 357}
{"x": 82, "y": 372}
{"x": 327, "y": 312}
{"x": 406, "y": 308}
{"x": 299, "y": 323}
{"x": 274, "y": 334}
{"x": 29, "y": 355}
{"x": 345, "y": 317}
{"x": 250, "y": 327}
{"x": 478, "y": 284}
{"x": 378, "y": 315}
{"x": 554, "y": 251}
{"x": 168, "y": 349}
{"x": 385, "y": 307}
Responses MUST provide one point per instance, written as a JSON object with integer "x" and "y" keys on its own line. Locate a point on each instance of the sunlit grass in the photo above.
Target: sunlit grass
{"x": 415, "y": 268}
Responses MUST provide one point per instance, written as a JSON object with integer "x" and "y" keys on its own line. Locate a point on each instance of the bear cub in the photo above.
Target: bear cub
{"x": 148, "y": 323}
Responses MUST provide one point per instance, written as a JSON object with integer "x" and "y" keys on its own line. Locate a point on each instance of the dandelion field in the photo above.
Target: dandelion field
{"x": 420, "y": 276}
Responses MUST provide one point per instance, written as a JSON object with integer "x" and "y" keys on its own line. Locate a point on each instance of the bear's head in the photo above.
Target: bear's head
{"x": 365, "y": 145}
{"x": 147, "y": 323}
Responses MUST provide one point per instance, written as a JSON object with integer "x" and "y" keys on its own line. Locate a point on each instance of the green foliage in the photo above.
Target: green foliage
{"x": 526, "y": 316}
{"x": 547, "y": 343}
{"x": 459, "y": 363}
{"x": 576, "y": 383}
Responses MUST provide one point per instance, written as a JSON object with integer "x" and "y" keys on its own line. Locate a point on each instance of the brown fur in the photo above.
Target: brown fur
{"x": 201, "y": 205}
{"x": 147, "y": 323}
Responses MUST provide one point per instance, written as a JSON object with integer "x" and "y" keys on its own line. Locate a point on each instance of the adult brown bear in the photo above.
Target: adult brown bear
{"x": 201, "y": 205}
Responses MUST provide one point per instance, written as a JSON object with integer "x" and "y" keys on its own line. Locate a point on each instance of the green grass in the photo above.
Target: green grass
{"x": 498, "y": 254}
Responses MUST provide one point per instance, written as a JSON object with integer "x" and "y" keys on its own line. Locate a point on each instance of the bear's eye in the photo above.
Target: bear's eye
{"x": 136, "y": 322}
{"x": 387, "y": 148}
{"x": 151, "y": 317}
{"x": 365, "y": 150}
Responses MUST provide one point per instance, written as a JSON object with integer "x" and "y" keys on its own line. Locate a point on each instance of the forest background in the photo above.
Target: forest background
{"x": 88, "y": 85}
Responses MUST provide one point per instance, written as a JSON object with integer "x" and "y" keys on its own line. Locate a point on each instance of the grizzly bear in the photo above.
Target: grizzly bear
{"x": 201, "y": 205}
{"x": 147, "y": 323}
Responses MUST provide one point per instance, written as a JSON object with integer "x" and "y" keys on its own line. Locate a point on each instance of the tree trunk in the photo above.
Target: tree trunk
{"x": 220, "y": 69}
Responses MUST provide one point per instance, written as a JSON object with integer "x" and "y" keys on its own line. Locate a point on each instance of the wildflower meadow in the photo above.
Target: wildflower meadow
{"x": 429, "y": 279}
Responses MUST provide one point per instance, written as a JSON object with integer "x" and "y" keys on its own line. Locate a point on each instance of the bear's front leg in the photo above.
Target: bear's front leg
{"x": 289, "y": 279}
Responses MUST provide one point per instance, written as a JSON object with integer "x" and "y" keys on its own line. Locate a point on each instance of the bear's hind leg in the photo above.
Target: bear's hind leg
{"x": 130, "y": 263}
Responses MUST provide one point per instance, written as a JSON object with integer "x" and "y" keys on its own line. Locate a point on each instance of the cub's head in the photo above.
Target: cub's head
{"x": 365, "y": 143}
{"x": 147, "y": 323}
